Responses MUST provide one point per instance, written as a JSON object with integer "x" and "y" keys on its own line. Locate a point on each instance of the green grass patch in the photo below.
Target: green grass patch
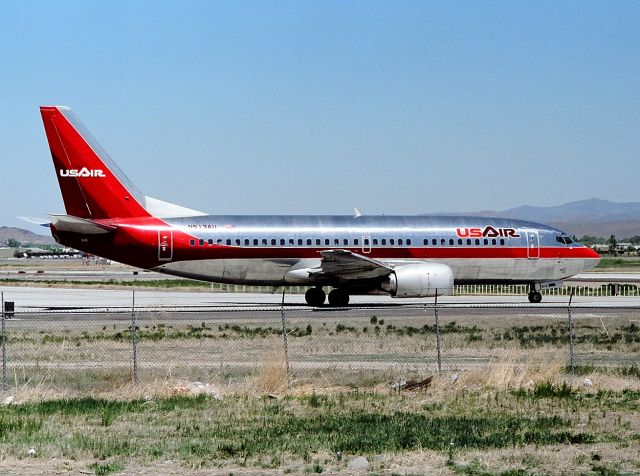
{"x": 619, "y": 263}
{"x": 201, "y": 432}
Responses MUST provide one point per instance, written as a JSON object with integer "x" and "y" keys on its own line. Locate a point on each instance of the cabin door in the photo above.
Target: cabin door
{"x": 165, "y": 245}
{"x": 533, "y": 244}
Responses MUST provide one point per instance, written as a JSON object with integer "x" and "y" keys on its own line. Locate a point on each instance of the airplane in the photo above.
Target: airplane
{"x": 400, "y": 256}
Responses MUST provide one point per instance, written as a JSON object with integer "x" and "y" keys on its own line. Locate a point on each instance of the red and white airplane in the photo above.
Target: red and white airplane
{"x": 402, "y": 256}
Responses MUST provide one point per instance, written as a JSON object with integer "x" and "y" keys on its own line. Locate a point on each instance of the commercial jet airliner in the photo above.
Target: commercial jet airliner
{"x": 402, "y": 256}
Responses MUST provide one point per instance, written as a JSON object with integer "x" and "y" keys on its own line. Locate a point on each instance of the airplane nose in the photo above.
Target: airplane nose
{"x": 591, "y": 259}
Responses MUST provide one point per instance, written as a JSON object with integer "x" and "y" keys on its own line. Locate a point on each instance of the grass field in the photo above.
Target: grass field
{"x": 631, "y": 262}
{"x": 545, "y": 429}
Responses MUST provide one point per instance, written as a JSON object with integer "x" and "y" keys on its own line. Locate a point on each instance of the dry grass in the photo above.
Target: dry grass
{"x": 515, "y": 368}
{"x": 271, "y": 377}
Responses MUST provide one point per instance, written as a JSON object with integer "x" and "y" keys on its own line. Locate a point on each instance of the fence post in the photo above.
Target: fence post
{"x": 134, "y": 340}
{"x": 438, "y": 355}
{"x": 571, "y": 356}
{"x": 5, "y": 380}
{"x": 284, "y": 338}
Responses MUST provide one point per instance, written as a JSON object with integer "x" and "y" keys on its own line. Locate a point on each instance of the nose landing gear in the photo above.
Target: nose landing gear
{"x": 534, "y": 294}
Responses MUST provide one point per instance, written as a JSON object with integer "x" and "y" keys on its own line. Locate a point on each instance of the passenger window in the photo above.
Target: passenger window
{"x": 375, "y": 241}
{"x": 355, "y": 242}
{"x": 291, "y": 241}
{"x": 201, "y": 242}
{"x": 451, "y": 241}
{"x": 228, "y": 242}
{"x": 282, "y": 241}
{"x": 383, "y": 241}
{"x": 434, "y": 242}
{"x": 345, "y": 242}
{"x": 255, "y": 242}
{"x": 425, "y": 242}
{"x": 336, "y": 241}
{"x": 219, "y": 241}
{"x": 273, "y": 242}
{"x": 308, "y": 242}
{"x": 264, "y": 242}
{"x": 318, "y": 242}
{"x": 299, "y": 242}
{"x": 366, "y": 242}
{"x": 460, "y": 241}
{"x": 502, "y": 241}
{"x": 468, "y": 241}
{"x": 493, "y": 241}
{"x": 326, "y": 241}
{"x": 210, "y": 241}
{"x": 400, "y": 241}
{"x": 238, "y": 241}
{"x": 477, "y": 241}
{"x": 486, "y": 241}
{"x": 392, "y": 241}
{"x": 192, "y": 242}
{"x": 408, "y": 241}
{"x": 443, "y": 242}
{"x": 246, "y": 242}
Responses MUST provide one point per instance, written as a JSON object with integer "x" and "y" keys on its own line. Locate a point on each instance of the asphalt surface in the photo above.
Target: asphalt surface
{"x": 50, "y": 299}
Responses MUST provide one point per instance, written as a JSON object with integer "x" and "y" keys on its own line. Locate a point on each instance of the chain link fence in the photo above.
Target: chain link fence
{"x": 87, "y": 352}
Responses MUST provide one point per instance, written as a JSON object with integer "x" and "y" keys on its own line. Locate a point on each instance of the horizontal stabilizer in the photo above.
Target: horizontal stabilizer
{"x": 80, "y": 225}
{"x": 35, "y": 221}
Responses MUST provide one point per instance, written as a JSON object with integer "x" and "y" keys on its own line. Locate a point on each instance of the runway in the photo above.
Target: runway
{"x": 47, "y": 299}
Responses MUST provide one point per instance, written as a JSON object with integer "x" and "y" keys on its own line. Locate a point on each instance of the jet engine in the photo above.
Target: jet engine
{"x": 419, "y": 280}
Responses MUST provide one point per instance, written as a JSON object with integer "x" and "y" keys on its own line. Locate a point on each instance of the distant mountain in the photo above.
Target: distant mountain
{"x": 595, "y": 217}
{"x": 23, "y": 236}
{"x": 593, "y": 210}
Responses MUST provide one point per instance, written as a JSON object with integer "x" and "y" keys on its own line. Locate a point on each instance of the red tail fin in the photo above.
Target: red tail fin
{"x": 92, "y": 186}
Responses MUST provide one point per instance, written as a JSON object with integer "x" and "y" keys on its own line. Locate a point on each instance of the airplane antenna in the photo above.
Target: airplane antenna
{"x": 357, "y": 213}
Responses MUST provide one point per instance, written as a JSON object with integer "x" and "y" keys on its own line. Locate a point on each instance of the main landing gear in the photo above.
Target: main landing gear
{"x": 534, "y": 295}
{"x": 316, "y": 296}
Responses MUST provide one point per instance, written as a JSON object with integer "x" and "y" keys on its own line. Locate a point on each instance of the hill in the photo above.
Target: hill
{"x": 23, "y": 236}
{"x": 594, "y": 216}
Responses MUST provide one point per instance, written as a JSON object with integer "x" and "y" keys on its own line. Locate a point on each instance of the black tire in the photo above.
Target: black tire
{"x": 535, "y": 297}
{"x": 338, "y": 298}
{"x": 315, "y": 297}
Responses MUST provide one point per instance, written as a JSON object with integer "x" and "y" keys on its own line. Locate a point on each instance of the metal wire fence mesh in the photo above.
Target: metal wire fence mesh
{"x": 87, "y": 352}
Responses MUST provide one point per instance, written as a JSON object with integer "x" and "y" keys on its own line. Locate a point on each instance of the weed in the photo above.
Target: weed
{"x": 106, "y": 467}
{"x": 547, "y": 390}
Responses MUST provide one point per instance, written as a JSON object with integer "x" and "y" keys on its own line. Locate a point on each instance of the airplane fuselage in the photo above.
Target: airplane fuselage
{"x": 263, "y": 250}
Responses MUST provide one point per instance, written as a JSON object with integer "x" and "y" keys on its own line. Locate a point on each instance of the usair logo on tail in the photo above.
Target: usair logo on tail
{"x": 487, "y": 232}
{"x": 83, "y": 172}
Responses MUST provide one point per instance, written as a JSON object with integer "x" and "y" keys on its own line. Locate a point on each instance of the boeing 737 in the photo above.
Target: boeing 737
{"x": 401, "y": 256}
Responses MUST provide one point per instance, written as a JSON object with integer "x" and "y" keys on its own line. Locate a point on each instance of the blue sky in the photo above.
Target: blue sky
{"x": 319, "y": 107}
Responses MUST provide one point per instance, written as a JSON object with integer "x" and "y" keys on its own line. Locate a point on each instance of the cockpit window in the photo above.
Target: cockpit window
{"x": 565, "y": 240}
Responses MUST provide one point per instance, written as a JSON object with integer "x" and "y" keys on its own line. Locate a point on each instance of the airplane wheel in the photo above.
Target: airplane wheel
{"x": 338, "y": 298}
{"x": 315, "y": 297}
{"x": 535, "y": 297}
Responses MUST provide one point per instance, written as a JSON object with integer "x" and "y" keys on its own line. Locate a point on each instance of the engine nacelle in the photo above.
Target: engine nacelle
{"x": 420, "y": 280}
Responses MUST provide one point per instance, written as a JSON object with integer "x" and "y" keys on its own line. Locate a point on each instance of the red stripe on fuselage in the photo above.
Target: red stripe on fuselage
{"x": 232, "y": 252}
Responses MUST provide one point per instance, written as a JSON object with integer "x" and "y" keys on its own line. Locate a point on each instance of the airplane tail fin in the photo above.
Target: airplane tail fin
{"x": 92, "y": 185}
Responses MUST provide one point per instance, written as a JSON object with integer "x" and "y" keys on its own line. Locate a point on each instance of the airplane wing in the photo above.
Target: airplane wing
{"x": 347, "y": 265}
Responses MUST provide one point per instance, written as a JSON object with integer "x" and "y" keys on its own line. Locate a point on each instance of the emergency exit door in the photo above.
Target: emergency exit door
{"x": 533, "y": 244}
{"x": 165, "y": 245}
